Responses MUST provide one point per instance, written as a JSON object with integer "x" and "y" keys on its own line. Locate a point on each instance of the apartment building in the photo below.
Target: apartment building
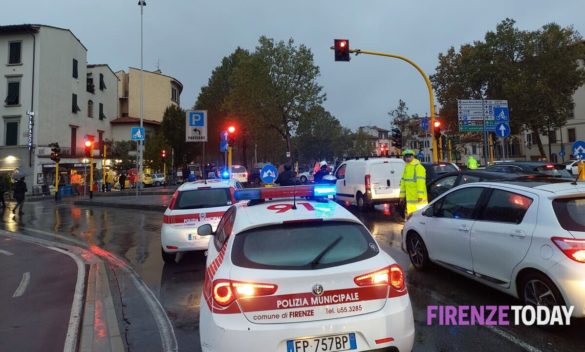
{"x": 50, "y": 94}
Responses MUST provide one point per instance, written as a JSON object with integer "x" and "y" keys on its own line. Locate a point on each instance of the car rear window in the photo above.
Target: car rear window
{"x": 203, "y": 198}
{"x": 571, "y": 213}
{"x": 303, "y": 246}
{"x": 554, "y": 170}
{"x": 238, "y": 169}
{"x": 444, "y": 168}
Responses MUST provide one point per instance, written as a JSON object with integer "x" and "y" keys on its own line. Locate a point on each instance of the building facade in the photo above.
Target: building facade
{"x": 51, "y": 95}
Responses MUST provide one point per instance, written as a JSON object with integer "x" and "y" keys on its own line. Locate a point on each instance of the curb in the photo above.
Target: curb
{"x": 93, "y": 203}
{"x": 100, "y": 330}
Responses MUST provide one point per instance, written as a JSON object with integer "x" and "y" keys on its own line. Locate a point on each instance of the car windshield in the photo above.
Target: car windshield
{"x": 238, "y": 169}
{"x": 571, "y": 213}
{"x": 303, "y": 246}
{"x": 203, "y": 198}
{"x": 553, "y": 170}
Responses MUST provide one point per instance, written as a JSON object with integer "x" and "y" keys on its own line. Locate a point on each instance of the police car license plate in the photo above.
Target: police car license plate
{"x": 345, "y": 342}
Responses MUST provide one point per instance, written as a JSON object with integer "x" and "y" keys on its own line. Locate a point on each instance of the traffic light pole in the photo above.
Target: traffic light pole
{"x": 91, "y": 173}
{"x": 57, "y": 180}
{"x": 427, "y": 81}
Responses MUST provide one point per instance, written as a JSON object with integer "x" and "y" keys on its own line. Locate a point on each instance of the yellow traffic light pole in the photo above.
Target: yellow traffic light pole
{"x": 427, "y": 81}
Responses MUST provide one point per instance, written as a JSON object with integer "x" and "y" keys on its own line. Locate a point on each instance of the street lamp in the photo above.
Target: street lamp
{"x": 140, "y": 158}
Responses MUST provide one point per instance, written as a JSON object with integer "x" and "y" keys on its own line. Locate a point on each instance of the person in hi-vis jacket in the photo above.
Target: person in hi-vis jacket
{"x": 413, "y": 185}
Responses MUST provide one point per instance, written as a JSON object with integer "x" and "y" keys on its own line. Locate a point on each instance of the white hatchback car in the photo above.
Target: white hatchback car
{"x": 194, "y": 204}
{"x": 300, "y": 275}
{"x": 523, "y": 238}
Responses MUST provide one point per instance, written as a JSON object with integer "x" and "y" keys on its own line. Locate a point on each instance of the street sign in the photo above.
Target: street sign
{"x": 268, "y": 173}
{"x": 420, "y": 155}
{"x": 137, "y": 133}
{"x": 562, "y": 153}
{"x": 223, "y": 141}
{"x": 503, "y": 130}
{"x": 424, "y": 124}
{"x": 196, "y": 126}
{"x": 473, "y": 113}
{"x": 579, "y": 149}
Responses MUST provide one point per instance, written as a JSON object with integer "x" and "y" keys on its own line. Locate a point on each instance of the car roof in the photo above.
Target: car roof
{"x": 545, "y": 184}
{"x": 482, "y": 173}
{"x": 210, "y": 183}
{"x": 270, "y": 212}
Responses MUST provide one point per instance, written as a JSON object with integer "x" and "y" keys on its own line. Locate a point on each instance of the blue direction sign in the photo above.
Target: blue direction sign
{"x": 562, "y": 153}
{"x": 137, "y": 133}
{"x": 420, "y": 155}
{"x": 503, "y": 130}
{"x": 268, "y": 173}
{"x": 223, "y": 141}
{"x": 579, "y": 149}
{"x": 501, "y": 114}
{"x": 424, "y": 124}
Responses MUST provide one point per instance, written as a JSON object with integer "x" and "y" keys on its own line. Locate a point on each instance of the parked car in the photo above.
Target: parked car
{"x": 306, "y": 177}
{"x": 239, "y": 173}
{"x": 445, "y": 182}
{"x": 254, "y": 177}
{"x": 194, "y": 204}
{"x": 531, "y": 167}
{"x": 435, "y": 170}
{"x": 526, "y": 239}
{"x": 367, "y": 181}
{"x": 154, "y": 180}
{"x": 572, "y": 166}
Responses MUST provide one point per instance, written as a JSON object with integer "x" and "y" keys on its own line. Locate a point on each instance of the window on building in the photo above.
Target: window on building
{"x": 14, "y": 56}
{"x": 102, "y": 83}
{"x": 175, "y": 95}
{"x": 75, "y": 73}
{"x": 13, "y": 96}
{"x": 552, "y": 137}
{"x": 90, "y": 108}
{"x": 73, "y": 140}
{"x": 102, "y": 116}
{"x": 572, "y": 135}
{"x": 90, "y": 85}
{"x": 74, "y": 107}
{"x": 11, "y": 132}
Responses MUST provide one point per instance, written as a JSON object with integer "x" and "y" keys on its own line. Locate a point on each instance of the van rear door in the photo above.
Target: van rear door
{"x": 385, "y": 178}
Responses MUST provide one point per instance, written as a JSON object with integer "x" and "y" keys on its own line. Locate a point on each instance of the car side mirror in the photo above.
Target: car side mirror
{"x": 428, "y": 212}
{"x": 205, "y": 230}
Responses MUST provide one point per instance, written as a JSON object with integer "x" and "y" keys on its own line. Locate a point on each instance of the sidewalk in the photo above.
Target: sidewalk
{"x": 154, "y": 201}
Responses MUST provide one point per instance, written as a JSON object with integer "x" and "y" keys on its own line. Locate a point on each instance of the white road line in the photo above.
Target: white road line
{"x": 512, "y": 338}
{"x": 5, "y": 252}
{"x": 23, "y": 285}
{"x": 75, "y": 317}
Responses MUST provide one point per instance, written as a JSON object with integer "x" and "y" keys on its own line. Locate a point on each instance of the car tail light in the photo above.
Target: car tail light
{"x": 572, "y": 248}
{"x": 549, "y": 166}
{"x": 227, "y": 291}
{"x": 392, "y": 276}
{"x": 367, "y": 181}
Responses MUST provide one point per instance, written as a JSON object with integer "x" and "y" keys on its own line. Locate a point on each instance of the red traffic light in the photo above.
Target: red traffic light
{"x": 163, "y": 153}
{"x": 88, "y": 144}
{"x": 437, "y": 123}
{"x": 231, "y": 129}
{"x": 341, "y": 48}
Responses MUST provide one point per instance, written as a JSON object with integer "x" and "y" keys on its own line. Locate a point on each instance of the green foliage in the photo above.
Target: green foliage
{"x": 172, "y": 131}
{"x": 536, "y": 71}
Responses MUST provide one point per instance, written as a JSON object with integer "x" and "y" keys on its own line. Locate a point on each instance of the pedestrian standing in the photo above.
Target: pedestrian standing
{"x": 471, "y": 163}
{"x": 3, "y": 189}
{"x": 323, "y": 171}
{"x": 122, "y": 180}
{"x": 286, "y": 178}
{"x": 413, "y": 186}
{"x": 19, "y": 192}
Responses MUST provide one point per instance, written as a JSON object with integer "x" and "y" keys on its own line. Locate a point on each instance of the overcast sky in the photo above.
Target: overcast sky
{"x": 188, "y": 38}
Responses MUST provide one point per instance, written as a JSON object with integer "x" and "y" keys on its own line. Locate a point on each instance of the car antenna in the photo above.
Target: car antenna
{"x": 294, "y": 197}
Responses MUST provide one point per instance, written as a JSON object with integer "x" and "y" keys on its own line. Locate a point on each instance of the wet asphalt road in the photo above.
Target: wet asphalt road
{"x": 134, "y": 236}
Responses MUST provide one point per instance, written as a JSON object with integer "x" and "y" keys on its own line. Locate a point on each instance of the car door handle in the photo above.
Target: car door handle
{"x": 518, "y": 233}
{"x": 344, "y": 182}
{"x": 463, "y": 228}
{"x": 388, "y": 183}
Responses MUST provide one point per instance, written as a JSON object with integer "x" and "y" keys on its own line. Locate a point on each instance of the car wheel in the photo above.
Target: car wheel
{"x": 537, "y": 289}
{"x": 360, "y": 201}
{"x": 168, "y": 258}
{"x": 417, "y": 251}
{"x": 303, "y": 179}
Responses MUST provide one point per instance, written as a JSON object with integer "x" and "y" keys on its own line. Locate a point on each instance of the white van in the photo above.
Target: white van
{"x": 367, "y": 181}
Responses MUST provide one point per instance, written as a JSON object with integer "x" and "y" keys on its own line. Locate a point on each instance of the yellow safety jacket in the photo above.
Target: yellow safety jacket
{"x": 413, "y": 186}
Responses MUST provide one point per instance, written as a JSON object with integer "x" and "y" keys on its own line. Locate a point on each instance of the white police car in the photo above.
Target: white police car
{"x": 289, "y": 272}
{"x": 194, "y": 204}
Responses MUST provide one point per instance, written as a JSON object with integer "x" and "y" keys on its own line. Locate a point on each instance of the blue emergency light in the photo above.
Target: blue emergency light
{"x": 317, "y": 191}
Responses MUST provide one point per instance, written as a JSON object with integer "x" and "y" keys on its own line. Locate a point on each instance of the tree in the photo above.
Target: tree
{"x": 536, "y": 71}
{"x": 361, "y": 144}
{"x": 275, "y": 87}
{"x": 173, "y": 134}
{"x": 320, "y": 136}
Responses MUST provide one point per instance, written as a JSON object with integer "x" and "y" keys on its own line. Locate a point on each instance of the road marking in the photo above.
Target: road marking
{"x": 75, "y": 316}
{"x": 23, "y": 285}
{"x": 512, "y": 338}
{"x": 5, "y": 252}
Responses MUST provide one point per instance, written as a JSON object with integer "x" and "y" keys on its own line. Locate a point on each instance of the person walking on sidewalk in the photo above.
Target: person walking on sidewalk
{"x": 19, "y": 192}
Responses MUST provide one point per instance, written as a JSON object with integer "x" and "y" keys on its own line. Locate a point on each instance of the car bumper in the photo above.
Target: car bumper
{"x": 233, "y": 332}
{"x": 184, "y": 238}
{"x": 569, "y": 277}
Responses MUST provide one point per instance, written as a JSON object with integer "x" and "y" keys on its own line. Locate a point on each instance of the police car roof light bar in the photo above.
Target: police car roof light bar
{"x": 284, "y": 192}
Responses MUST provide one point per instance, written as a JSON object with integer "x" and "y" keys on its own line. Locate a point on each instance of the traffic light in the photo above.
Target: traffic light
{"x": 163, "y": 154}
{"x": 437, "y": 128}
{"x": 231, "y": 135}
{"x": 55, "y": 152}
{"x": 341, "y": 48}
